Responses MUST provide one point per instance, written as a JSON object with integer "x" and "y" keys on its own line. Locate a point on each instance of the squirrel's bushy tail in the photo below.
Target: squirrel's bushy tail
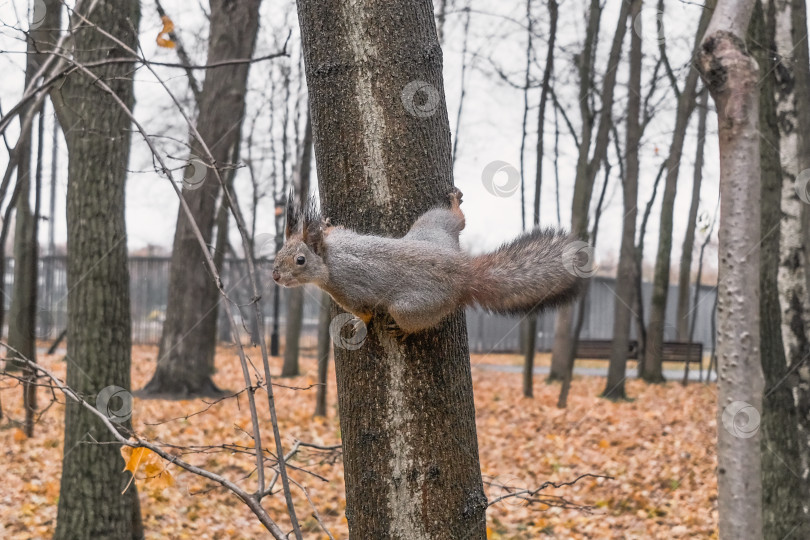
{"x": 541, "y": 268}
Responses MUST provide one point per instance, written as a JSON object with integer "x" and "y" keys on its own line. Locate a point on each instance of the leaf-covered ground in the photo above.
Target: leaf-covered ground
{"x": 659, "y": 449}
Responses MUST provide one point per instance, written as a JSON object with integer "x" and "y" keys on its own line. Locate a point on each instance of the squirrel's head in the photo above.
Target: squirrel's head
{"x": 300, "y": 260}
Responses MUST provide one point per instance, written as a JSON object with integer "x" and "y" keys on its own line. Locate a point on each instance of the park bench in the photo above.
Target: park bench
{"x": 673, "y": 351}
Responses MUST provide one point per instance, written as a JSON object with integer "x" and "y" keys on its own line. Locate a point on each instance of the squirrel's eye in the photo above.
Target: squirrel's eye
{"x": 300, "y": 260}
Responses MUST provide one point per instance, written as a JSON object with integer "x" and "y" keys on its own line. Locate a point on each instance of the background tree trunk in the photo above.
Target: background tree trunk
{"x": 732, "y": 76}
{"x": 407, "y": 421}
{"x": 653, "y": 371}
{"x": 324, "y": 347}
{"x": 563, "y": 348}
{"x": 801, "y": 67}
{"x": 295, "y": 306}
{"x": 614, "y": 389}
{"x": 783, "y": 492}
{"x": 186, "y": 354}
{"x": 685, "y": 267}
{"x": 22, "y": 332}
{"x": 565, "y": 342}
{"x": 97, "y": 132}
{"x": 531, "y": 320}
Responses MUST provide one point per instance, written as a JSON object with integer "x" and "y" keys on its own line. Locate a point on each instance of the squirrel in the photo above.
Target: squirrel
{"x": 424, "y": 276}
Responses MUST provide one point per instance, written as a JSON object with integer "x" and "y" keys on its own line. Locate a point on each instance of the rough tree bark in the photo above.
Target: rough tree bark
{"x": 625, "y": 273}
{"x": 801, "y": 184}
{"x": 22, "y": 312}
{"x": 382, "y": 145}
{"x": 295, "y": 297}
{"x": 783, "y": 492}
{"x": 531, "y": 320}
{"x": 186, "y": 354}
{"x": 731, "y": 75}
{"x": 97, "y": 131}
{"x": 652, "y": 370}
{"x": 685, "y": 267}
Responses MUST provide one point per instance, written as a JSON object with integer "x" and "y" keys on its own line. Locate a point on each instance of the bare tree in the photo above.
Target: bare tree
{"x": 97, "y": 131}
{"x": 783, "y": 491}
{"x": 566, "y": 331}
{"x": 545, "y": 87}
{"x": 295, "y": 306}
{"x": 324, "y": 347}
{"x": 186, "y": 354}
{"x": 685, "y": 267}
{"x": 652, "y": 365}
{"x": 801, "y": 62}
{"x": 614, "y": 389}
{"x": 407, "y": 421}
{"x": 731, "y": 76}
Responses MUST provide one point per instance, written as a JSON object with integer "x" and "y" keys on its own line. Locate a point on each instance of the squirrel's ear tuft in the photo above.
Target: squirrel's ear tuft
{"x": 293, "y": 215}
{"x": 313, "y": 227}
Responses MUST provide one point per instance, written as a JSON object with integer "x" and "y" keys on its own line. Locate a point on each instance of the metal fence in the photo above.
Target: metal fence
{"x": 149, "y": 279}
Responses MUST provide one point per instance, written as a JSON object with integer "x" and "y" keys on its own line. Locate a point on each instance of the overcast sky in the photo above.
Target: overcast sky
{"x": 490, "y": 128}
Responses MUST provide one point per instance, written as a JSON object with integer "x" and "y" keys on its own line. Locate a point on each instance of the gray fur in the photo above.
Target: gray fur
{"x": 424, "y": 276}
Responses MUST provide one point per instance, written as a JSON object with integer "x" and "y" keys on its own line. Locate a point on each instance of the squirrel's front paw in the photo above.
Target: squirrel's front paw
{"x": 393, "y": 328}
{"x": 455, "y": 196}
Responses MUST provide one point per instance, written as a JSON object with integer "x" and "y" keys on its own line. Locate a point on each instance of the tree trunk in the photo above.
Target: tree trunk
{"x": 383, "y": 152}
{"x": 614, "y": 389}
{"x": 563, "y": 348}
{"x": 732, "y": 76}
{"x": 783, "y": 492}
{"x": 324, "y": 346}
{"x": 295, "y": 298}
{"x": 685, "y": 268}
{"x": 565, "y": 338}
{"x": 97, "y": 131}
{"x": 186, "y": 354}
{"x": 653, "y": 371}
{"x": 531, "y": 320}
{"x": 801, "y": 67}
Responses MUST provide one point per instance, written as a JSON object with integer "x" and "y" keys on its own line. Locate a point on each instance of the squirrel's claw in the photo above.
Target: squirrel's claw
{"x": 393, "y": 328}
{"x": 455, "y": 196}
